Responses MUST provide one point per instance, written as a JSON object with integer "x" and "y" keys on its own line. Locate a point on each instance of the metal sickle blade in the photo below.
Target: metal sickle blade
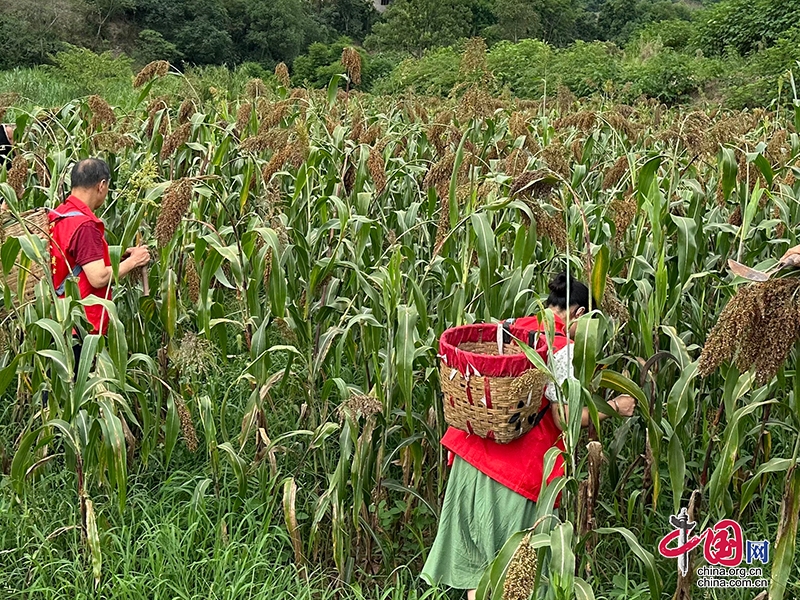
{"x": 746, "y": 272}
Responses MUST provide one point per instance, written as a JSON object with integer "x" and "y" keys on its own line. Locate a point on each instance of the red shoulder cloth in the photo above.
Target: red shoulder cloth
{"x": 64, "y": 222}
{"x": 518, "y": 465}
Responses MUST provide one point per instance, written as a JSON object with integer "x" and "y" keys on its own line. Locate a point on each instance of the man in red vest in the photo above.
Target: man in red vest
{"x": 78, "y": 246}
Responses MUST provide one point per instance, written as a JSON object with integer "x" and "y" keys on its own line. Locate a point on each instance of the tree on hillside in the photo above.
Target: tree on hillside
{"x": 102, "y": 11}
{"x": 279, "y": 30}
{"x": 416, "y": 25}
{"x": 31, "y": 30}
{"x": 483, "y": 16}
{"x": 151, "y": 45}
{"x": 554, "y": 21}
{"x": 746, "y": 25}
{"x": 352, "y": 18}
{"x": 202, "y": 41}
{"x": 198, "y": 28}
{"x": 618, "y": 19}
{"x": 516, "y": 19}
{"x": 21, "y": 45}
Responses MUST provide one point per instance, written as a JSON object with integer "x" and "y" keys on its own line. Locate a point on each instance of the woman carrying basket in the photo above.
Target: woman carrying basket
{"x": 492, "y": 488}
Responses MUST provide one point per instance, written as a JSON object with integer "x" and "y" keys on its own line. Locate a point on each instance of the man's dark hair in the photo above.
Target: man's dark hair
{"x": 578, "y": 292}
{"x": 88, "y": 172}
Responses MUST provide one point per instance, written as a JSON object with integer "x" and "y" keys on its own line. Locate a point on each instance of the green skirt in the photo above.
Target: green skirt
{"x": 478, "y": 517}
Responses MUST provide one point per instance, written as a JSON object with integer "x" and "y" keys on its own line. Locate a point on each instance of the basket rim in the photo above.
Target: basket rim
{"x": 488, "y": 365}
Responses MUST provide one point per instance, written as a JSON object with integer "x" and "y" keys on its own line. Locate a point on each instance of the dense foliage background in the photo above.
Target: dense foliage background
{"x": 733, "y": 52}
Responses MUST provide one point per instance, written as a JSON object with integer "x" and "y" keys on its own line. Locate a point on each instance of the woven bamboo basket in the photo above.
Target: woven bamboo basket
{"x": 26, "y": 273}
{"x": 488, "y": 394}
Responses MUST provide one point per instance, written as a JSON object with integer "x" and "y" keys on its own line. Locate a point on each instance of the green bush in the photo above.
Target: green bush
{"x": 435, "y": 73}
{"x": 669, "y": 76}
{"x": 152, "y": 46}
{"x": 530, "y": 68}
{"x": 379, "y": 66}
{"x": 745, "y": 25}
{"x": 316, "y": 66}
{"x": 675, "y": 33}
{"x": 21, "y": 45}
{"x": 522, "y": 67}
{"x": 252, "y": 70}
{"x": 584, "y": 67}
{"x": 323, "y": 61}
{"x": 92, "y": 73}
{"x": 756, "y": 82}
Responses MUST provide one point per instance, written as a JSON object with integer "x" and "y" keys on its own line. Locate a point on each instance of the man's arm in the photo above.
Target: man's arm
{"x": 88, "y": 248}
{"x": 99, "y": 275}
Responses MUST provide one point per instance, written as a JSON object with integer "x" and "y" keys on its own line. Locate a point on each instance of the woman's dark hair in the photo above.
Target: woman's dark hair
{"x": 578, "y": 292}
{"x": 5, "y": 145}
{"x": 89, "y": 172}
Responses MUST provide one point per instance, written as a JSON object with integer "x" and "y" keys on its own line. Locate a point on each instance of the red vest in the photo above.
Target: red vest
{"x": 518, "y": 465}
{"x": 62, "y": 263}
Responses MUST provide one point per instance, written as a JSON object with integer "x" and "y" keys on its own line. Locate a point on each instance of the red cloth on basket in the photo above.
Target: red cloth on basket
{"x": 519, "y": 464}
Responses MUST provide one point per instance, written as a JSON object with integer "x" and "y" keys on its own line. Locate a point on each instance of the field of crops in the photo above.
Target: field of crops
{"x": 265, "y": 423}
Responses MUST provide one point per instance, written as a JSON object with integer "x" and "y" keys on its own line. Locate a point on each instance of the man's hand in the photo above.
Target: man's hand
{"x": 624, "y": 405}
{"x": 138, "y": 256}
{"x": 792, "y": 257}
{"x": 99, "y": 274}
{"x": 133, "y": 258}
